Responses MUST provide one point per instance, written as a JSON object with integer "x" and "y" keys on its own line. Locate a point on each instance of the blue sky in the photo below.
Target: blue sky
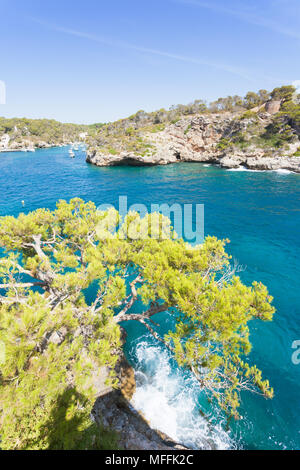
{"x": 97, "y": 61}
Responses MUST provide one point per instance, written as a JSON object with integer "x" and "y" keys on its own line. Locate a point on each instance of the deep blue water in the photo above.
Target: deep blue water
{"x": 258, "y": 211}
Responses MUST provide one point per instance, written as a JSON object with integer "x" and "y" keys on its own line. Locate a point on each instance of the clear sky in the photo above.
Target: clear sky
{"x": 97, "y": 61}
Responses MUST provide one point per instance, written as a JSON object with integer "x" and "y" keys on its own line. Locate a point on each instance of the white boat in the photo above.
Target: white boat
{"x": 72, "y": 154}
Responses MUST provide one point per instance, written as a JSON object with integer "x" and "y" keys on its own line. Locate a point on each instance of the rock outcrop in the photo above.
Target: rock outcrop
{"x": 261, "y": 163}
{"x": 199, "y": 139}
{"x": 273, "y": 106}
{"x": 113, "y": 410}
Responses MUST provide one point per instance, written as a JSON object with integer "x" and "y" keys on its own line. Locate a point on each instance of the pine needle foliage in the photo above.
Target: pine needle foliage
{"x": 55, "y": 340}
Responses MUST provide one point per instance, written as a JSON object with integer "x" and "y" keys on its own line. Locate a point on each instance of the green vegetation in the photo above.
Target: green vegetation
{"x": 284, "y": 93}
{"x": 297, "y": 153}
{"x": 237, "y": 103}
{"x": 249, "y": 115}
{"x": 53, "y": 344}
{"x": 130, "y": 135}
{"x": 47, "y": 130}
{"x": 285, "y": 125}
{"x": 187, "y": 129}
{"x": 282, "y": 129}
{"x": 224, "y": 144}
{"x": 55, "y": 338}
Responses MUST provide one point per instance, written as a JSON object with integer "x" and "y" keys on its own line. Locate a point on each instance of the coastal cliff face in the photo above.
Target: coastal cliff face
{"x": 114, "y": 411}
{"x": 228, "y": 139}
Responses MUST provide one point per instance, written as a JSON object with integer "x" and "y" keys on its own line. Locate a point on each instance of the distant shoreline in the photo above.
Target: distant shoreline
{"x": 32, "y": 149}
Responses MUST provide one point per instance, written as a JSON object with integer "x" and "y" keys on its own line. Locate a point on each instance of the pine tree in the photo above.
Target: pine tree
{"x": 53, "y": 340}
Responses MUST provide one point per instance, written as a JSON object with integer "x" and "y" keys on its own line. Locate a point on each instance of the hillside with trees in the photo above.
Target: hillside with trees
{"x": 261, "y": 124}
{"x": 133, "y": 134}
{"x": 22, "y": 133}
{"x": 130, "y": 134}
{"x": 280, "y": 130}
{"x": 260, "y": 129}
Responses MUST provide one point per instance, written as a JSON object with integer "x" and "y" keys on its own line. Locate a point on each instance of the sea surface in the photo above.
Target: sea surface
{"x": 260, "y": 213}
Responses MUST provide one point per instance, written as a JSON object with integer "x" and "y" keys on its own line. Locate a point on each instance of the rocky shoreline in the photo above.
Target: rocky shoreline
{"x": 42, "y": 145}
{"x": 234, "y": 161}
{"x": 113, "y": 410}
{"x": 198, "y": 139}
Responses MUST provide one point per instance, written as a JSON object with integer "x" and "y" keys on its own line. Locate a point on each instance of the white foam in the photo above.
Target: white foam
{"x": 242, "y": 168}
{"x": 167, "y": 397}
{"x": 282, "y": 171}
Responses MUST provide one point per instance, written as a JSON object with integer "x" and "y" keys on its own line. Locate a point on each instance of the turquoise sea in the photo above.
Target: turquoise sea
{"x": 260, "y": 213}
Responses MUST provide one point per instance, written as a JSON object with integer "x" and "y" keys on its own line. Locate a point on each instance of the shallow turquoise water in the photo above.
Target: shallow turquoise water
{"x": 259, "y": 212}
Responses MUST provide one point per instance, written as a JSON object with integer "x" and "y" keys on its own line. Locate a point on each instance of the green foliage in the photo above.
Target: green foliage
{"x": 252, "y": 100}
{"x": 290, "y": 111}
{"x": 284, "y": 93}
{"x": 157, "y": 128}
{"x": 224, "y": 144}
{"x": 48, "y": 130}
{"x": 187, "y": 129}
{"x": 249, "y": 115}
{"x": 56, "y": 343}
{"x": 283, "y": 127}
{"x": 130, "y": 134}
{"x": 129, "y": 131}
{"x": 297, "y": 153}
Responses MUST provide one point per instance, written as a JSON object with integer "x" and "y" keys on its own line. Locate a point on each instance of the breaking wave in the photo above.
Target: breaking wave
{"x": 242, "y": 168}
{"x": 282, "y": 171}
{"x": 168, "y": 397}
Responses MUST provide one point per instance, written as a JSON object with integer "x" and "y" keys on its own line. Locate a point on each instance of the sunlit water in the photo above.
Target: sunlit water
{"x": 260, "y": 213}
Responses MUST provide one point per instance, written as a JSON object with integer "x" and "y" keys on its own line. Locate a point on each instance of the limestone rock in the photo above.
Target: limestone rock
{"x": 113, "y": 411}
{"x": 231, "y": 161}
{"x": 196, "y": 139}
{"x": 273, "y": 106}
{"x": 276, "y": 163}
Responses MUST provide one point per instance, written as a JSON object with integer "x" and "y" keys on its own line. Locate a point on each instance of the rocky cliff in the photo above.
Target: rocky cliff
{"x": 114, "y": 411}
{"x": 230, "y": 140}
